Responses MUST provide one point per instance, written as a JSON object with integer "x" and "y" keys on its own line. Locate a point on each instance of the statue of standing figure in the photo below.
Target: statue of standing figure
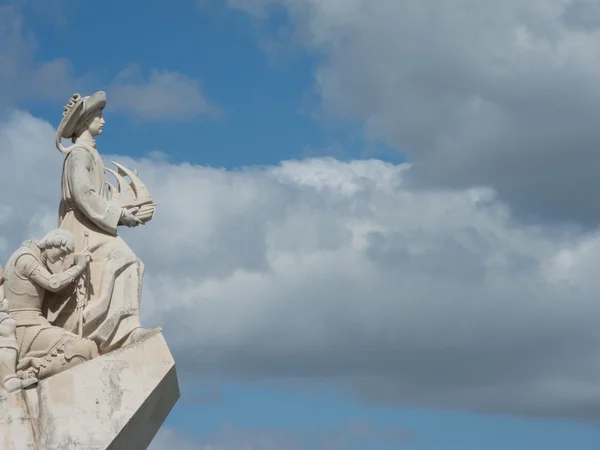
{"x": 75, "y": 294}
{"x": 106, "y": 306}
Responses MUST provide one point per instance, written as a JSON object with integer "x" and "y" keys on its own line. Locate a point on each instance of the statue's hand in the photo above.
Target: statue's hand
{"x": 146, "y": 212}
{"x": 83, "y": 258}
{"x": 129, "y": 219}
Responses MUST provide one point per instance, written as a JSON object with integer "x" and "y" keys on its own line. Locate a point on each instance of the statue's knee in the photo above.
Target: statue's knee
{"x": 119, "y": 257}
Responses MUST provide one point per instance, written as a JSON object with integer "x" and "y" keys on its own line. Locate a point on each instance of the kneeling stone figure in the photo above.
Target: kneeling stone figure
{"x": 43, "y": 349}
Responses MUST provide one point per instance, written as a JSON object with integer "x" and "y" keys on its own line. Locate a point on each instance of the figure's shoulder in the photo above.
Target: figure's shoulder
{"x": 24, "y": 255}
{"x": 26, "y": 251}
{"x": 25, "y": 261}
{"x": 78, "y": 154}
{"x": 21, "y": 257}
{"x": 79, "y": 150}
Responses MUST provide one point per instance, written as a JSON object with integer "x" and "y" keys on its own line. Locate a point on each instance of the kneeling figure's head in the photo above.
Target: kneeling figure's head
{"x": 57, "y": 245}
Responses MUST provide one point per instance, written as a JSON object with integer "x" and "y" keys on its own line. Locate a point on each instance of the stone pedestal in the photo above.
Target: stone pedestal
{"x": 117, "y": 401}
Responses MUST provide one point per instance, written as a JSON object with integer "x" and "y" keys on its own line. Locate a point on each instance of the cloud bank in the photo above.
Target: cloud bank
{"x": 348, "y": 275}
{"x": 502, "y": 94}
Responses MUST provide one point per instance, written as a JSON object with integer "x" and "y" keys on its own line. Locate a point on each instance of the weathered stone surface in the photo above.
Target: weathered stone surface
{"x": 117, "y": 401}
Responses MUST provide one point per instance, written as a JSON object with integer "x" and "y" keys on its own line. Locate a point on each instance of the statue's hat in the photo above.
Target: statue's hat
{"x": 74, "y": 111}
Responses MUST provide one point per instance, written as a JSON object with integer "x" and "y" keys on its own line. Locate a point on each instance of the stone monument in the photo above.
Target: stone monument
{"x": 77, "y": 370}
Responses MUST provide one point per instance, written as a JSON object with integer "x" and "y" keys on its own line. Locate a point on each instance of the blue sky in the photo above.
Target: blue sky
{"x": 261, "y": 118}
{"x": 263, "y": 407}
{"x": 267, "y": 109}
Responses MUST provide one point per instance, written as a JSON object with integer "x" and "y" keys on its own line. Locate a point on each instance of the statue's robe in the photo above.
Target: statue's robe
{"x": 115, "y": 273}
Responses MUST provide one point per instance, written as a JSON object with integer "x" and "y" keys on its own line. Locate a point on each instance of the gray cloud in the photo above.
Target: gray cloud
{"x": 164, "y": 95}
{"x": 584, "y": 14}
{"x": 342, "y": 272}
{"x": 502, "y": 94}
{"x": 22, "y": 76}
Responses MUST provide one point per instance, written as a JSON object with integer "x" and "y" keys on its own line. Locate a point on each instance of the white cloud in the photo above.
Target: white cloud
{"x": 164, "y": 95}
{"x": 344, "y": 273}
{"x": 503, "y": 93}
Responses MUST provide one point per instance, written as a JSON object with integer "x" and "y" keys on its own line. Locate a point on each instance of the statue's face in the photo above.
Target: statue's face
{"x": 56, "y": 254}
{"x": 96, "y": 125}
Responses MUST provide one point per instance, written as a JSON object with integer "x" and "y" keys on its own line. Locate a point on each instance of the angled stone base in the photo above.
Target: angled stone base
{"x": 117, "y": 401}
